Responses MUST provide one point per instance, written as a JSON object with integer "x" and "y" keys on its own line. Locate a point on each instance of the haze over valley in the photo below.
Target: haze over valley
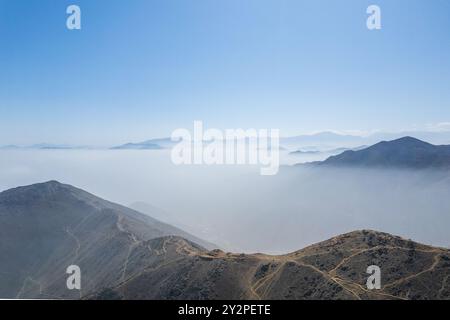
{"x": 239, "y": 210}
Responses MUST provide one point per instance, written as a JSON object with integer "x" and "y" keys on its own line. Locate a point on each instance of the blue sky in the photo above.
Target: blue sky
{"x": 140, "y": 69}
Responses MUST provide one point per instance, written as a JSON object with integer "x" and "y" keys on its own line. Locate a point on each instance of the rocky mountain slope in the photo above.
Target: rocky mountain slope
{"x": 333, "y": 269}
{"x": 46, "y": 227}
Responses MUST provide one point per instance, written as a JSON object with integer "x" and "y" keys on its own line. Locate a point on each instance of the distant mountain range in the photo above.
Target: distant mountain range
{"x": 317, "y": 140}
{"x": 44, "y": 146}
{"x": 153, "y": 144}
{"x": 124, "y": 254}
{"x": 406, "y": 152}
{"x": 332, "y": 151}
{"x": 322, "y": 141}
{"x": 327, "y": 139}
{"x": 138, "y": 146}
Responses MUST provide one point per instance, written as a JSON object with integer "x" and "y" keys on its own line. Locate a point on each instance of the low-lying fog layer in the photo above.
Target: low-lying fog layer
{"x": 236, "y": 208}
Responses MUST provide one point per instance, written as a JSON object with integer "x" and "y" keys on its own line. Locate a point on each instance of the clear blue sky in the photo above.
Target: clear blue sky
{"x": 141, "y": 68}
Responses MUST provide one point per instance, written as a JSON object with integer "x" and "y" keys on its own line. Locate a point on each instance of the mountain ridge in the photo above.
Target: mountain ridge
{"x": 331, "y": 269}
{"x": 123, "y": 254}
{"x": 48, "y": 226}
{"x": 406, "y": 152}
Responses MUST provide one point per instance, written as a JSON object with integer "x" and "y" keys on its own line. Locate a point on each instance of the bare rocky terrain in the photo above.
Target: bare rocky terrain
{"x": 333, "y": 269}
{"x": 46, "y": 227}
{"x": 124, "y": 254}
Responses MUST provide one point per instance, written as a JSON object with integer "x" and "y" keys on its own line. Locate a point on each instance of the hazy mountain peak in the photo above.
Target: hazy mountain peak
{"x": 365, "y": 238}
{"x": 67, "y": 225}
{"x": 34, "y": 192}
{"x": 406, "y": 142}
{"x": 406, "y": 152}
